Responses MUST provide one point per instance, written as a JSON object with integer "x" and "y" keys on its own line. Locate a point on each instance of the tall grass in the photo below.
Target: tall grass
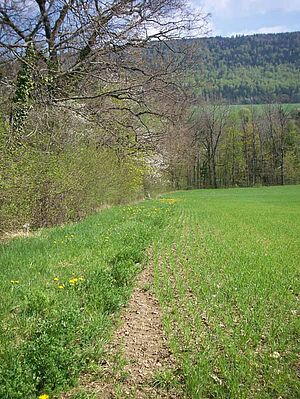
{"x": 59, "y": 291}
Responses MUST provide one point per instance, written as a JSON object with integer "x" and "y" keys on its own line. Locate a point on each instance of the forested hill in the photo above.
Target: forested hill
{"x": 249, "y": 69}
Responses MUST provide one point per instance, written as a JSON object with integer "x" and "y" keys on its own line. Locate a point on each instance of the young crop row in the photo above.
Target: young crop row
{"x": 226, "y": 275}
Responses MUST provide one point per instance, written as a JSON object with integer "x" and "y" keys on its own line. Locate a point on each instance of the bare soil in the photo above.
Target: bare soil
{"x": 139, "y": 364}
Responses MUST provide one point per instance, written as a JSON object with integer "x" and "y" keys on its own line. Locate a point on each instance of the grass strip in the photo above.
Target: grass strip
{"x": 59, "y": 292}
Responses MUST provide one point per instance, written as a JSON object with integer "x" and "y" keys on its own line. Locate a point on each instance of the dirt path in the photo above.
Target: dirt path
{"x": 139, "y": 363}
{"x": 143, "y": 342}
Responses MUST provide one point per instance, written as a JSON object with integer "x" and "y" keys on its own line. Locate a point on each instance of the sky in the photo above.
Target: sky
{"x": 245, "y": 17}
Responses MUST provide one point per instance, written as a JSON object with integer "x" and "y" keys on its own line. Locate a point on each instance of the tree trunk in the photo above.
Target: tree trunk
{"x": 282, "y": 167}
{"x": 213, "y": 170}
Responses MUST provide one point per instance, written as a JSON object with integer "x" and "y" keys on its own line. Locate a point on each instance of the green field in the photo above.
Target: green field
{"x": 258, "y": 107}
{"x": 226, "y": 274}
{"x": 226, "y": 268}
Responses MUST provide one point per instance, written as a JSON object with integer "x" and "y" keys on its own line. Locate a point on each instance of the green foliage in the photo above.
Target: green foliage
{"x": 58, "y": 297}
{"x": 24, "y": 88}
{"x": 248, "y": 69}
{"x": 259, "y": 146}
{"x": 44, "y": 189}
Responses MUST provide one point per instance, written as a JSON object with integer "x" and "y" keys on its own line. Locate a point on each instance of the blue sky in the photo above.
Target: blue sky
{"x": 230, "y": 17}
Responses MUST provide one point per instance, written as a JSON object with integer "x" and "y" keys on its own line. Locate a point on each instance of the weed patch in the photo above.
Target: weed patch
{"x": 59, "y": 291}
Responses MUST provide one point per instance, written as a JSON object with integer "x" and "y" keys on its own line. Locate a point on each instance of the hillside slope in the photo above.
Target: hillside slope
{"x": 248, "y": 69}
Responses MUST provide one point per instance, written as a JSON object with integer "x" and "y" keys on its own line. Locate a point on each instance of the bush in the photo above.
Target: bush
{"x": 44, "y": 189}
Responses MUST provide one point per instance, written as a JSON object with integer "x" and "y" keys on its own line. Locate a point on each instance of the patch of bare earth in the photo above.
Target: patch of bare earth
{"x": 139, "y": 364}
{"x": 7, "y": 236}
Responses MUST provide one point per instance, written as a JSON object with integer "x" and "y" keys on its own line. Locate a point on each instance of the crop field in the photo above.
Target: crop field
{"x": 226, "y": 275}
{"x": 286, "y": 106}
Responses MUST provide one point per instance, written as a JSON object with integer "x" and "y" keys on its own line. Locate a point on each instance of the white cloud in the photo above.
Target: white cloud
{"x": 243, "y": 7}
{"x": 259, "y": 6}
{"x": 217, "y": 5}
{"x": 264, "y": 29}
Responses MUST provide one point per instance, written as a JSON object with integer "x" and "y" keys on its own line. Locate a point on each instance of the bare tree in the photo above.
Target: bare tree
{"x": 179, "y": 152}
{"x": 274, "y": 133}
{"x": 249, "y": 130}
{"x": 110, "y": 62}
{"x": 211, "y": 120}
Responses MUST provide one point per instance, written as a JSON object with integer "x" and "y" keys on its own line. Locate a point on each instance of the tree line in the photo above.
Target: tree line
{"x": 97, "y": 108}
{"x": 223, "y": 146}
{"x": 82, "y": 106}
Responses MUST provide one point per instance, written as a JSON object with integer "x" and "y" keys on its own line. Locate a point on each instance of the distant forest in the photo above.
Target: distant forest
{"x": 259, "y": 69}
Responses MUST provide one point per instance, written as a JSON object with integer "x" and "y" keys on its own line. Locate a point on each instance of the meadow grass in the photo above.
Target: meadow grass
{"x": 286, "y": 106}
{"x": 226, "y": 266}
{"x": 59, "y": 291}
{"x": 227, "y": 276}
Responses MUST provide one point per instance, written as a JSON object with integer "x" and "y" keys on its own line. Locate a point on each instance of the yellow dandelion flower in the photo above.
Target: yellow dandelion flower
{"x": 73, "y": 280}
{"x": 61, "y": 286}
{"x": 55, "y": 279}
{"x": 44, "y": 396}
